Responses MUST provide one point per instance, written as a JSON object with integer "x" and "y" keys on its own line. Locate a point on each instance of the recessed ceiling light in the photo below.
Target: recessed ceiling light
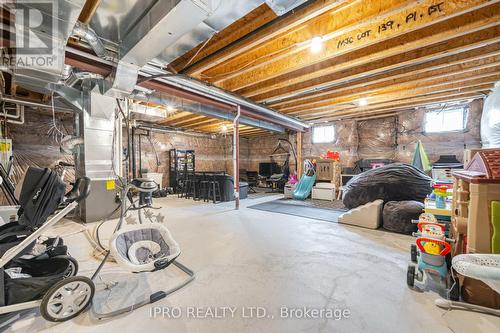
{"x": 363, "y": 102}
{"x": 316, "y": 44}
{"x": 223, "y": 128}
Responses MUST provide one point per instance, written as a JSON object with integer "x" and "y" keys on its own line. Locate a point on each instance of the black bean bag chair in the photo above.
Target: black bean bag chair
{"x": 397, "y": 216}
{"x": 393, "y": 182}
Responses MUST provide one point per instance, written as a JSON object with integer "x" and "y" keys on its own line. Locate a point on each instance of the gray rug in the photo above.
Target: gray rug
{"x": 282, "y": 207}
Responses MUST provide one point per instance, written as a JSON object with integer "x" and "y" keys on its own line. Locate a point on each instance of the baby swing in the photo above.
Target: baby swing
{"x": 479, "y": 266}
{"x": 137, "y": 248}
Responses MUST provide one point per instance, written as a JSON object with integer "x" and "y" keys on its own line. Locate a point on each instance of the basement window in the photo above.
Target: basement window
{"x": 449, "y": 120}
{"x": 323, "y": 134}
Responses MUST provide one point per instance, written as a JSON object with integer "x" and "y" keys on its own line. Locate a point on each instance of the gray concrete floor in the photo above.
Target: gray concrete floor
{"x": 261, "y": 259}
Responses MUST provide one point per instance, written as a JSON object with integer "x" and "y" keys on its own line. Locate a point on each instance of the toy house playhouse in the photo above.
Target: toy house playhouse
{"x": 476, "y": 219}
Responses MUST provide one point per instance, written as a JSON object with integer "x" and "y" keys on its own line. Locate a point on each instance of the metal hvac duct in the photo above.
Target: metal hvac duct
{"x": 85, "y": 32}
{"x": 201, "y": 87}
{"x": 209, "y": 111}
{"x": 281, "y": 7}
{"x": 40, "y": 48}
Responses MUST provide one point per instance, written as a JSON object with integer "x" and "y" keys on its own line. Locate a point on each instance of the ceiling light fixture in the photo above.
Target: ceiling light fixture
{"x": 170, "y": 109}
{"x": 223, "y": 128}
{"x": 316, "y": 44}
{"x": 363, "y": 102}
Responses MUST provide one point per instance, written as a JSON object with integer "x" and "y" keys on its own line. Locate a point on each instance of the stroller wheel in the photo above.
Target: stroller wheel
{"x": 410, "y": 276}
{"x": 73, "y": 266}
{"x": 413, "y": 252}
{"x": 67, "y": 299}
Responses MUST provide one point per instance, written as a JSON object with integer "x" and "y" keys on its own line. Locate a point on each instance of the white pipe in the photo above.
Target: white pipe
{"x": 21, "y": 116}
{"x": 32, "y": 104}
{"x": 18, "y": 118}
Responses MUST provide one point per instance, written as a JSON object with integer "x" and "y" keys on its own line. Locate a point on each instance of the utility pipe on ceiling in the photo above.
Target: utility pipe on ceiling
{"x": 86, "y": 33}
{"x": 32, "y": 104}
{"x": 188, "y": 82}
{"x": 212, "y": 112}
{"x": 79, "y": 59}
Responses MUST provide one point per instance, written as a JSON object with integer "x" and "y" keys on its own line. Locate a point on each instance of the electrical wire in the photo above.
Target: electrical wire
{"x": 127, "y": 122}
{"x": 54, "y": 127}
{"x": 199, "y": 50}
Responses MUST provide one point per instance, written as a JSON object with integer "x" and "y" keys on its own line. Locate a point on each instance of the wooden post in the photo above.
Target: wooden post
{"x": 236, "y": 159}
{"x": 299, "y": 155}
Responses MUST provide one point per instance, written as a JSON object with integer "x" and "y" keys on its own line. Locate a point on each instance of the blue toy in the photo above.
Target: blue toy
{"x": 431, "y": 255}
{"x": 306, "y": 183}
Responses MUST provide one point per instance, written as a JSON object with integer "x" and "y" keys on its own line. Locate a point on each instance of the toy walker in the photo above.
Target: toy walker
{"x": 430, "y": 253}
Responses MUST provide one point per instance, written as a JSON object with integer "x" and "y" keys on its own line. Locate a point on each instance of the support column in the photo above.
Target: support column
{"x": 236, "y": 158}
{"x": 299, "y": 155}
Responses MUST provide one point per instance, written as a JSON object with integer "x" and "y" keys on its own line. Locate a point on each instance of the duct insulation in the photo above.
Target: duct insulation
{"x": 490, "y": 121}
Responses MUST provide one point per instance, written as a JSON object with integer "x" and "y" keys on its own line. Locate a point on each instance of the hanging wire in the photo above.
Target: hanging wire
{"x": 54, "y": 129}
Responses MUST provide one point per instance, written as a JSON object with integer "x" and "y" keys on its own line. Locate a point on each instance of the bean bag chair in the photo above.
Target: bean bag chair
{"x": 393, "y": 182}
{"x": 397, "y": 216}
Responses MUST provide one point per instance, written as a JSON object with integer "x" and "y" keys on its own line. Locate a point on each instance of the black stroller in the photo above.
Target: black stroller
{"x": 47, "y": 279}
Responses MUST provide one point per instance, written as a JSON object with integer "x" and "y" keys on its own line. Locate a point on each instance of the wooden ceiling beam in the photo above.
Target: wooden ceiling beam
{"x": 435, "y": 78}
{"x": 187, "y": 118}
{"x": 88, "y": 11}
{"x": 173, "y": 116}
{"x": 190, "y": 120}
{"x": 267, "y": 33}
{"x": 454, "y": 18}
{"x": 196, "y": 123}
{"x": 401, "y": 97}
{"x": 247, "y": 24}
{"x": 389, "y": 110}
{"x": 377, "y": 72}
{"x": 358, "y": 66}
{"x": 341, "y": 19}
{"x": 404, "y": 104}
{"x": 214, "y": 126}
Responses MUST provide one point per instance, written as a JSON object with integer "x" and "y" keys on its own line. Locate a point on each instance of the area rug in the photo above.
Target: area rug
{"x": 283, "y": 207}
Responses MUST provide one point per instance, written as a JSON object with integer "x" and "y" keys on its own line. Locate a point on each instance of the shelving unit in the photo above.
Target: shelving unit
{"x": 182, "y": 163}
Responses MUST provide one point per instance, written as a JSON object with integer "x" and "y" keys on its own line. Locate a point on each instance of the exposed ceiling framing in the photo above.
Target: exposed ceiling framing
{"x": 398, "y": 55}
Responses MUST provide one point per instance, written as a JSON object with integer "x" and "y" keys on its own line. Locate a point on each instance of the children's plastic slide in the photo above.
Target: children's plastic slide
{"x": 304, "y": 187}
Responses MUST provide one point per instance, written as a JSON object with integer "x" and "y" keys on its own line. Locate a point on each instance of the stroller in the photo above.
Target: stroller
{"x": 48, "y": 278}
